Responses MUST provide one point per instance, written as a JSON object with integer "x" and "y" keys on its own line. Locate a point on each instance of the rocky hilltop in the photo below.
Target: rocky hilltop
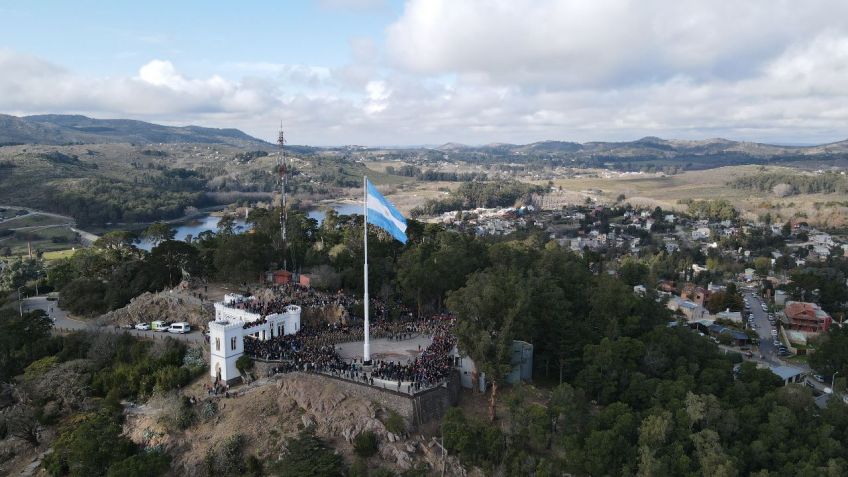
{"x": 270, "y": 412}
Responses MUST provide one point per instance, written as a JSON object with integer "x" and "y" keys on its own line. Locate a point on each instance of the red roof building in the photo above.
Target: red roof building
{"x": 807, "y": 317}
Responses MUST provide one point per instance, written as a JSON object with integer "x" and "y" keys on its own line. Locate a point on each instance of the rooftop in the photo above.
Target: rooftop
{"x": 786, "y": 372}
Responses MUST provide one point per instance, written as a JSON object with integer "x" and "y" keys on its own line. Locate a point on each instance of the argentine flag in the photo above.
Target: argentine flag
{"x": 383, "y": 214}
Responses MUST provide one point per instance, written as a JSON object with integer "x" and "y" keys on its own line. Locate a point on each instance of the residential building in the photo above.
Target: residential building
{"x": 807, "y": 317}
{"x": 788, "y": 374}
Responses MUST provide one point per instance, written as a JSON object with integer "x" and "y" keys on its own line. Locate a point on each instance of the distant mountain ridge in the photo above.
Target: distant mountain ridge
{"x": 59, "y": 129}
{"x": 652, "y": 148}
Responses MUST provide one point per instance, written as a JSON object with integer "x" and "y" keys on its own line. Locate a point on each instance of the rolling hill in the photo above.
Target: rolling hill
{"x": 694, "y": 154}
{"x": 58, "y": 129}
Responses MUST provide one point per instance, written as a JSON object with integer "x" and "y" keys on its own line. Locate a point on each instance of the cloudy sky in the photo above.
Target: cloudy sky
{"x": 384, "y": 72}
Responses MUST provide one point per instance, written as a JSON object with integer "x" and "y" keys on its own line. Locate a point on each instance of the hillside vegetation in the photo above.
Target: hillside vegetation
{"x": 58, "y": 129}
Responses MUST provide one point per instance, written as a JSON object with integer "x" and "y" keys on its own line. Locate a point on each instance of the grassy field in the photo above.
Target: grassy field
{"x": 48, "y": 239}
{"x": 30, "y": 220}
{"x": 573, "y": 186}
{"x": 666, "y": 191}
{"x": 58, "y": 254}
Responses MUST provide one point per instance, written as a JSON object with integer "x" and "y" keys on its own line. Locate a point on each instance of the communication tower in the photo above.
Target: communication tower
{"x": 284, "y": 182}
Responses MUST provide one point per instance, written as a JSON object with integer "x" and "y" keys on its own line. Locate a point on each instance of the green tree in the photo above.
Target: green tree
{"x": 633, "y": 272}
{"x": 762, "y": 265}
{"x": 174, "y": 259}
{"x": 831, "y": 354}
{"x": 158, "y": 232}
{"x": 146, "y": 464}
{"x": 23, "y": 339}
{"x": 487, "y": 309}
{"x": 242, "y": 257}
{"x": 89, "y": 447}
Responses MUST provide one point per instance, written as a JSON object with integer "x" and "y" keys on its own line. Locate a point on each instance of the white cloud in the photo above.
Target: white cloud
{"x": 510, "y": 71}
{"x": 557, "y": 43}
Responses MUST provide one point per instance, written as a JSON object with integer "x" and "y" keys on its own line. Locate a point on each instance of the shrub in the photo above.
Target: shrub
{"x": 226, "y": 458}
{"x": 358, "y": 469}
{"x": 244, "y": 364}
{"x": 38, "y": 368}
{"x": 365, "y": 444}
{"x": 146, "y": 464}
{"x": 253, "y": 466}
{"x": 171, "y": 377}
{"x": 308, "y": 457}
{"x": 208, "y": 410}
{"x": 193, "y": 360}
{"x": 395, "y": 423}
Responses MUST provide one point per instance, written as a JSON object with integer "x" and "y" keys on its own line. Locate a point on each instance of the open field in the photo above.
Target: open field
{"x": 45, "y": 239}
{"x": 574, "y": 186}
{"x": 665, "y": 191}
{"x": 415, "y": 194}
{"x": 30, "y": 220}
{"x": 58, "y": 254}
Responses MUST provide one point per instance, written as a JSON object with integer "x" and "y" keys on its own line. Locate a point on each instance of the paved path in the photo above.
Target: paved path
{"x": 63, "y": 321}
{"x": 385, "y": 349}
{"x": 87, "y": 237}
{"x": 767, "y": 348}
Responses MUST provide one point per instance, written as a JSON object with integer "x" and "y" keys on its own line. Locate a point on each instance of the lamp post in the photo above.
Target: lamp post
{"x": 20, "y": 303}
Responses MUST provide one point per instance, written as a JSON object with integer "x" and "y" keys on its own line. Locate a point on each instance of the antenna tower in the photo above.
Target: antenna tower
{"x": 284, "y": 180}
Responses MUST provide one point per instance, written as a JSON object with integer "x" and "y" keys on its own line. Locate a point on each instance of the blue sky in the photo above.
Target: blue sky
{"x": 111, "y": 38}
{"x": 381, "y": 72}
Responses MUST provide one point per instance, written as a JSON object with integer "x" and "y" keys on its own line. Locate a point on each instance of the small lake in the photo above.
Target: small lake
{"x": 346, "y": 208}
{"x": 194, "y": 227}
{"x": 205, "y": 223}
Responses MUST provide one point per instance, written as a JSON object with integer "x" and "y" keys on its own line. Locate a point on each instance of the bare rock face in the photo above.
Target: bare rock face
{"x": 396, "y": 454}
{"x": 329, "y": 409}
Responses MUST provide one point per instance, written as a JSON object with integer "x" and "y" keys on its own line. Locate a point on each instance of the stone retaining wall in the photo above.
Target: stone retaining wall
{"x": 417, "y": 409}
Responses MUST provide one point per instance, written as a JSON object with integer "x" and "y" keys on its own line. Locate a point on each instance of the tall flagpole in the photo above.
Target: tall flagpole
{"x": 366, "y": 352}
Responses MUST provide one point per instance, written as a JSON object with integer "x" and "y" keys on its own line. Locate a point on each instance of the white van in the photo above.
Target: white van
{"x": 181, "y": 328}
{"x": 158, "y": 326}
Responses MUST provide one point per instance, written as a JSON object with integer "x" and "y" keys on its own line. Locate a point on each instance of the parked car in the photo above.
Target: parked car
{"x": 159, "y": 326}
{"x": 818, "y": 377}
{"x": 142, "y": 326}
{"x": 180, "y": 328}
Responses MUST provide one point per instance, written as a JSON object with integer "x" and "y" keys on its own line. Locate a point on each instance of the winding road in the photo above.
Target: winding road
{"x": 87, "y": 237}
{"x": 62, "y": 321}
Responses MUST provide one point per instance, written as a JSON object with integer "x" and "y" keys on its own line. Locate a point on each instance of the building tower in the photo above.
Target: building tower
{"x": 226, "y": 343}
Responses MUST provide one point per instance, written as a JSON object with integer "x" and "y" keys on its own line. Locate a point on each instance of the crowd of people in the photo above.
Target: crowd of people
{"x": 432, "y": 366}
{"x": 314, "y": 350}
{"x": 278, "y": 297}
{"x": 268, "y": 301}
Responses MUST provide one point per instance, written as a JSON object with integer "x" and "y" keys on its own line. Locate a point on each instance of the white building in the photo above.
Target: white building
{"x": 235, "y": 322}
{"x": 701, "y": 233}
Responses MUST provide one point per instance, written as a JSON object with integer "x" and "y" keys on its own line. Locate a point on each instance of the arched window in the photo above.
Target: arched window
{"x": 217, "y": 344}
{"x": 233, "y": 343}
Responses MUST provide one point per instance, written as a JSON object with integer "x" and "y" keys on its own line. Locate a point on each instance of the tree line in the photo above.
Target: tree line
{"x": 98, "y": 201}
{"x": 433, "y": 175}
{"x": 783, "y": 184}
{"x": 471, "y": 195}
{"x": 75, "y": 383}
